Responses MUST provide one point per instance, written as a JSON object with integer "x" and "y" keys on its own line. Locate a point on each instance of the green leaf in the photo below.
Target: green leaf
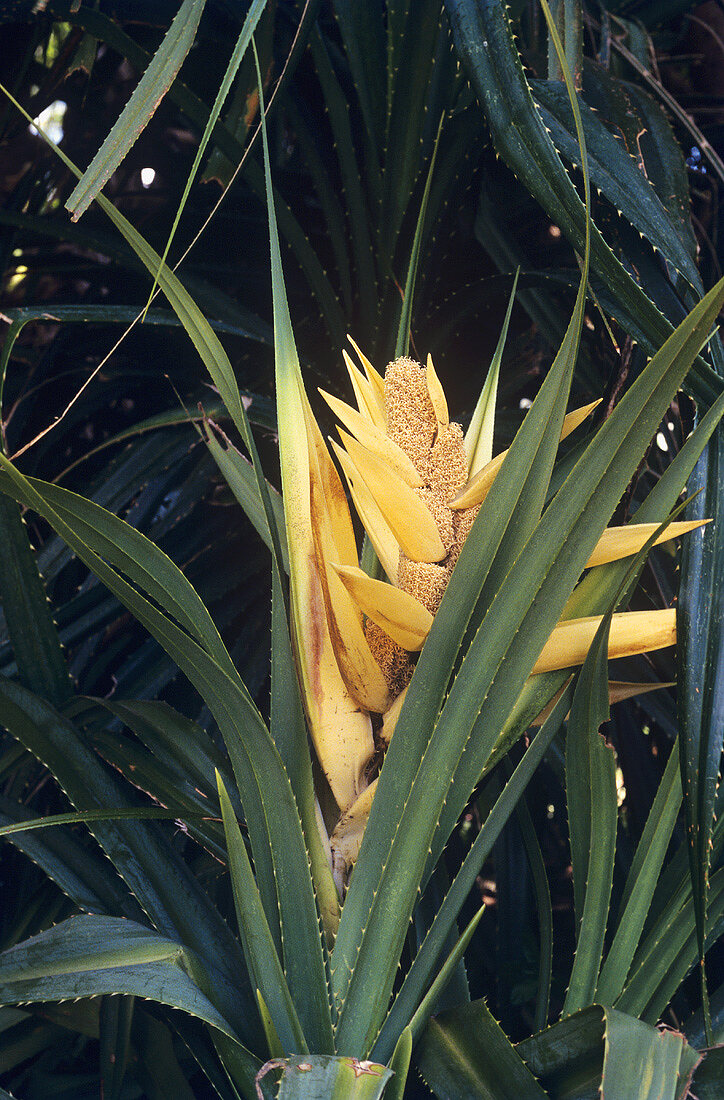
{"x": 259, "y": 950}
{"x": 701, "y": 675}
{"x": 83, "y": 816}
{"x": 91, "y": 955}
{"x": 406, "y": 1006}
{"x": 337, "y": 105}
{"x": 526, "y": 607}
{"x": 479, "y": 436}
{"x": 592, "y": 803}
{"x": 544, "y": 910}
{"x": 85, "y": 876}
{"x": 599, "y": 1052}
{"x": 239, "y": 476}
{"x": 153, "y": 1045}
{"x": 668, "y": 953}
{"x": 400, "y": 1066}
{"x": 617, "y": 175}
{"x": 409, "y": 86}
{"x": 466, "y": 1053}
{"x": 146, "y": 97}
{"x": 641, "y": 882}
{"x": 198, "y": 328}
{"x": 484, "y": 41}
{"x": 592, "y": 817}
{"x": 402, "y": 345}
{"x": 280, "y": 856}
{"x": 28, "y": 616}
{"x": 115, "y": 1020}
{"x": 413, "y": 799}
{"x": 644, "y": 1063}
{"x": 154, "y": 871}
{"x": 322, "y": 1077}
{"x": 242, "y": 43}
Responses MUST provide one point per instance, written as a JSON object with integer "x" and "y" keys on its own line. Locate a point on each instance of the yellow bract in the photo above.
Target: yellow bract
{"x": 410, "y": 521}
{"x": 623, "y": 542}
{"x": 399, "y": 614}
{"x": 631, "y": 632}
{"x": 478, "y": 487}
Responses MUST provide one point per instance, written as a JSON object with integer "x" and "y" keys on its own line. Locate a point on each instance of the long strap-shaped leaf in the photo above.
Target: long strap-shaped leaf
{"x": 28, "y": 616}
{"x": 466, "y": 1053}
{"x": 617, "y": 174}
{"x": 94, "y": 955}
{"x": 701, "y": 678}
{"x": 84, "y": 875}
{"x": 668, "y": 953}
{"x": 419, "y": 974}
{"x": 292, "y": 447}
{"x": 259, "y": 949}
{"x": 609, "y": 1054}
{"x": 641, "y": 882}
{"x": 156, "y": 874}
{"x": 271, "y": 850}
{"x": 146, "y": 97}
{"x": 484, "y": 41}
{"x": 198, "y": 328}
{"x": 598, "y": 587}
{"x": 592, "y": 817}
{"x": 279, "y": 852}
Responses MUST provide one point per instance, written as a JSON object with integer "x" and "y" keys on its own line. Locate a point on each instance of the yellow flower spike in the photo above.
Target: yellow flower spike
{"x": 368, "y": 401}
{"x": 410, "y": 521}
{"x": 374, "y": 439}
{"x": 437, "y": 395}
{"x": 631, "y": 632}
{"x": 380, "y": 534}
{"x": 478, "y": 487}
{"x": 346, "y": 839}
{"x": 622, "y": 542}
{"x": 400, "y": 615}
{"x": 374, "y": 377}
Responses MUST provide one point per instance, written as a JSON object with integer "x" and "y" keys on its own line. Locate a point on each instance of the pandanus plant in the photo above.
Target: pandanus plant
{"x": 492, "y": 581}
{"x": 417, "y": 484}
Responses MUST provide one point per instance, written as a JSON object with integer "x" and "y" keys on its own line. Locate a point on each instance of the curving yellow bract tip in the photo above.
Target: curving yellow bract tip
{"x": 476, "y": 490}
{"x": 631, "y": 632}
{"x": 622, "y": 542}
{"x": 437, "y": 395}
{"x": 400, "y": 615}
{"x": 374, "y": 439}
{"x": 367, "y": 399}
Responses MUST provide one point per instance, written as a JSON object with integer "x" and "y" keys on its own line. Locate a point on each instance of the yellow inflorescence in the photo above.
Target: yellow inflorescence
{"x": 408, "y": 471}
